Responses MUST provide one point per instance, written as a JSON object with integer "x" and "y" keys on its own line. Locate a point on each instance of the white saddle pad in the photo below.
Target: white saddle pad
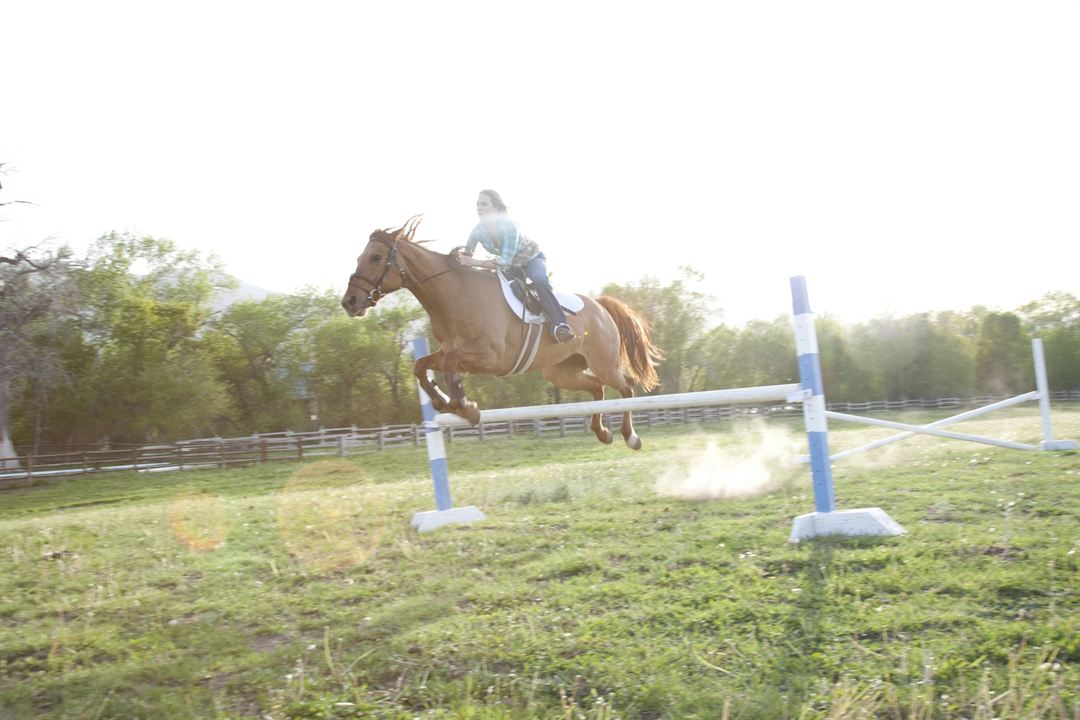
{"x": 569, "y": 302}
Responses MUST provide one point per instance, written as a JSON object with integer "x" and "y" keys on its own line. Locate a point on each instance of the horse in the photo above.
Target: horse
{"x": 478, "y": 333}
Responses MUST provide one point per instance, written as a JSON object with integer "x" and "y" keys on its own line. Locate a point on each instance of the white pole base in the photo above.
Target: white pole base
{"x": 862, "y": 521}
{"x": 1059, "y": 445}
{"x": 431, "y": 519}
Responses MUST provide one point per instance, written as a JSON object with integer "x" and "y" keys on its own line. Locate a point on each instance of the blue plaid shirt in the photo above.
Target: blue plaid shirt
{"x": 510, "y": 247}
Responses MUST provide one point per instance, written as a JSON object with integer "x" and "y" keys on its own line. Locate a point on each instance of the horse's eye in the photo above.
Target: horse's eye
{"x": 376, "y": 258}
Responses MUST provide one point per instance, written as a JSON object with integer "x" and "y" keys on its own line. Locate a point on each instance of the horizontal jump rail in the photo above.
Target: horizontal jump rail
{"x": 732, "y": 396}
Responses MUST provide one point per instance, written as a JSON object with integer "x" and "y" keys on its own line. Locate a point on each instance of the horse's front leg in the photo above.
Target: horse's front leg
{"x": 439, "y": 401}
{"x": 459, "y": 404}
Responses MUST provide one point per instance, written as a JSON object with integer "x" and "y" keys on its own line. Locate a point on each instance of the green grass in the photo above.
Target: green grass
{"x": 299, "y": 591}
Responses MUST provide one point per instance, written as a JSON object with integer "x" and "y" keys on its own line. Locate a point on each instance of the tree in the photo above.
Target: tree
{"x": 711, "y": 360}
{"x": 262, "y": 352}
{"x": 1056, "y": 319}
{"x": 764, "y": 354}
{"x": 362, "y": 370}
{"x": 36, "y": 297}
{"x": 1003, "y": 355}
{"x": 843, "y": 376}
{"x": 146, "y": 303}
{"x": 677, "y": 314}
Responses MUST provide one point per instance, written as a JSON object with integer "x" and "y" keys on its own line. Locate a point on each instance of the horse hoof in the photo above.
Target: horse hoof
{"x": 471, "y": 412}
{"x": 633, "y": 442}
{"x": 605, "y": 436}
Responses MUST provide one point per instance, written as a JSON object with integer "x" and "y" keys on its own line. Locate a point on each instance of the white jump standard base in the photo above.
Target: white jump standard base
{"x": 1055, "y": 445}
{"x": 431, "y": 519}
{"x": 861, "y": 521}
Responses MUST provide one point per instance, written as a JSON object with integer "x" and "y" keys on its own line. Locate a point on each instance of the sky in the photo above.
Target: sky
{"x": 903, "y": 156}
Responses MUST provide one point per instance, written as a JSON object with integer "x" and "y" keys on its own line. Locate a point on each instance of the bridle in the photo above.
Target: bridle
{"x": 376, "y": 292}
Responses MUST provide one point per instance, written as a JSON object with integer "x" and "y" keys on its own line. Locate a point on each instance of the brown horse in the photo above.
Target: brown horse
{"x": 478, "y": 333}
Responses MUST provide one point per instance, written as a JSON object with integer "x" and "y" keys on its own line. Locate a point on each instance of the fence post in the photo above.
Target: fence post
{"x": 382, "y": 438}
{"x": 299, "y": 447}
{"x": 221, "y": 454}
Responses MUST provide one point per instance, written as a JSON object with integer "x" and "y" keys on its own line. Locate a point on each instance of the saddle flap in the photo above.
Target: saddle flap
{"x": 524, "y": 292}
{"x": 532, "y": 313}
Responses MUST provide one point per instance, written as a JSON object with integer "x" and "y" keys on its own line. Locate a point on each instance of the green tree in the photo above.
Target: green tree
{"x": 843, "y": 376}
{"x": 712, "y": 360}
{"x": 764, "y": 354}
{"x": 145, "y": 303}
{"x": 1056, "y": 319}
{"x": 363, "y": 368}
{"x": 37, "y": 300}
{"x": 1003, "y": 356}
{"x": 262, "y": 352}
{"x": 677, "y": 314}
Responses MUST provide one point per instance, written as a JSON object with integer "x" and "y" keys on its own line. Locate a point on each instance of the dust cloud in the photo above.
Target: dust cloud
{"x": 747, "y": 465}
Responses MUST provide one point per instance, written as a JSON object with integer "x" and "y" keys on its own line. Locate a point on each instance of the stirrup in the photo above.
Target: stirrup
{"x": 563, "y": 333}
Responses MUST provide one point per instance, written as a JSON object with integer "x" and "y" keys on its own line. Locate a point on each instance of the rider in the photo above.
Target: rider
{"x": 501, "y": 237}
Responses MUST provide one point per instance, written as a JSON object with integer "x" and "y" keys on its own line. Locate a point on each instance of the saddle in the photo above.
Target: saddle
{"x": 523, "y": 289}
{"x": 523, "y": 300}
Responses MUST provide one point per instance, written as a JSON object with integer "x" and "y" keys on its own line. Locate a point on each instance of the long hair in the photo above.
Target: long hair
{"x": 496, "y": 200}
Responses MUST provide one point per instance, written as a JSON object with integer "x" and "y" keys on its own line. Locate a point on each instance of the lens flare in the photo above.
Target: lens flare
{"x": 331, "y": 528}
{"x": 197, "y": 519}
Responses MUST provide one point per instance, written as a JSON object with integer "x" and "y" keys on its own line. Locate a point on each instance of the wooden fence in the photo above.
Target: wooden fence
{"x": 340, "y": 442}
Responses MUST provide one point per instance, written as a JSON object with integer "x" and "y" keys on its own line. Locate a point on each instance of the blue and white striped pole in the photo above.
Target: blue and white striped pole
{"x": 826, "y": 520}
{"x": 445, "y": 512}
{"x": 433, "y": 434}
{"x": 817, "y": 431}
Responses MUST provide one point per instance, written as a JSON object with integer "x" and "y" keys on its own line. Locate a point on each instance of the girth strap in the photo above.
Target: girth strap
{"x": 529, "y": 347}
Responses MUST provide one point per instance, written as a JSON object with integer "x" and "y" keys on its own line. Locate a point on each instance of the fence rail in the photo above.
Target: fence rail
{"x": 340, "y": 442}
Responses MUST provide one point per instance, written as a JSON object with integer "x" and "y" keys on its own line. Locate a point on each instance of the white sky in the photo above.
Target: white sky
{"x": 904, "y": 156}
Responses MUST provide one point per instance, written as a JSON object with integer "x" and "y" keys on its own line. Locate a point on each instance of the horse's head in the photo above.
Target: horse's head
{"x": 379, "y": 269}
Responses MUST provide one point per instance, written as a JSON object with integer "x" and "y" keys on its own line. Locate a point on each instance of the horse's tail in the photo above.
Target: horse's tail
{"x": 637, "y": 354}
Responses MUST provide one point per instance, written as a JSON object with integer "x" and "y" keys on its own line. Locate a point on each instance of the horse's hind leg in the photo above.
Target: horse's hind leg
{"x": 619, "y": 381}
{"x": 570, "y": 375}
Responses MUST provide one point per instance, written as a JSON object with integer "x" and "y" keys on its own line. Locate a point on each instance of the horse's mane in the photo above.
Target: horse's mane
{"x": 407, "y": 231}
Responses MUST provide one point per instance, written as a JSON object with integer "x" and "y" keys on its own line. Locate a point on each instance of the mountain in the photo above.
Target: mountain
{"x": 223, "y": 298}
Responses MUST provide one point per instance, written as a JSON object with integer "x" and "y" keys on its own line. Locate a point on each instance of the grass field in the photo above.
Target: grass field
{"x": 597, "y": 588}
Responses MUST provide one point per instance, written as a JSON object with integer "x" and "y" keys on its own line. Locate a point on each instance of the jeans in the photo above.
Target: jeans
{"x": 536, "y": 271}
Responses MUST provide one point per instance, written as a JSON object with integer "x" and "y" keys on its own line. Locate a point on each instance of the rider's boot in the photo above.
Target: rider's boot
{"x": 562, "y": 333}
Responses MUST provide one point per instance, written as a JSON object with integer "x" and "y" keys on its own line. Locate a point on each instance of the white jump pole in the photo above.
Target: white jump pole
{"x": 445, "y": 513}
{"x": 732, "y": 396}
{"x": 826, "y": 520}
{"x": 1043, "y": 388}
